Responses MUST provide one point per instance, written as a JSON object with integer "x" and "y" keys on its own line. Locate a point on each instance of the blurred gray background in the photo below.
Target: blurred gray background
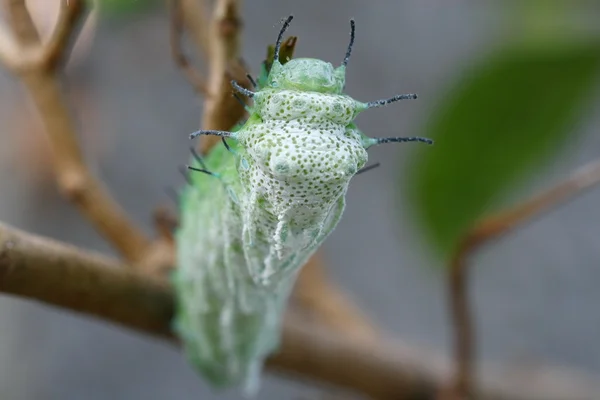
{"x": 535, "y": 292}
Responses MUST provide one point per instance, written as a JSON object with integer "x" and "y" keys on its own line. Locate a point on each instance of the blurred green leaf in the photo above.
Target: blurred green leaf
{"x": 505, "y": 117}
{"x": 125, "y": 7}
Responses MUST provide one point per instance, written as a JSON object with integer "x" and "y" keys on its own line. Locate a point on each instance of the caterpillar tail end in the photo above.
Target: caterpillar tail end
{"x": 249, "y": 380}
{"x": 252, "y": 380}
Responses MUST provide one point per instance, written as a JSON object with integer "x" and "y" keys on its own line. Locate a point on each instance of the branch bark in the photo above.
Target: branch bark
{"x": 221, "y": 111}
{"x": 482, "y": 233}
{"x": 58, "y": 274}
{"x": 64, "y": 276}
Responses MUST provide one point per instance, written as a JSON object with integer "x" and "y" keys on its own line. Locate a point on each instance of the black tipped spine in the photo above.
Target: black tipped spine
{"x": 368, "y": 168}
{"x": 226, "y": 145}
{"x": 404, "y": 139}
{"x": 211, "y": 133}
{"x": 351, "y": 44}
{"x": 286, "y": 24}
{"x": 242, "y": 90}
{"x": 252, "y": 81}
{"x": 385, "y": 102}
{"x": 197, "y": 157}
{"x": 204, "y": 171}
{"x": 240, "y": 100}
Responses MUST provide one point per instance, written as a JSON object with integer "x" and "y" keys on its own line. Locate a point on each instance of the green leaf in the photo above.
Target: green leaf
{"x": 506, "y": 116}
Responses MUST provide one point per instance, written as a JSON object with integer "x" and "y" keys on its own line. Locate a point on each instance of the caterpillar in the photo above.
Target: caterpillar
{"x": 259, "y": 207}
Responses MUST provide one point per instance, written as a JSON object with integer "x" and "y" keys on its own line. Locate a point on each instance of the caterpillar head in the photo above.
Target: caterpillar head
{"x": 307, "y": 74}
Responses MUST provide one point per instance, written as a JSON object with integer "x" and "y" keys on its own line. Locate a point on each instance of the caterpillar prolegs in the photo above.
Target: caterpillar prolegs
{"x": 262, "y": 207}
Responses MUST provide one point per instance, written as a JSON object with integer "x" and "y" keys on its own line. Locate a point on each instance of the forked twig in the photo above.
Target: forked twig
{"x": 41, "y": 79}
{"x": 483, "y": 232}
{"x": 21, "y": 24}
{"x": 57, "y": 48}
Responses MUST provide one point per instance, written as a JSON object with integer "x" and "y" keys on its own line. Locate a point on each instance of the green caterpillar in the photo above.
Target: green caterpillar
{"x": 262, "y": 206}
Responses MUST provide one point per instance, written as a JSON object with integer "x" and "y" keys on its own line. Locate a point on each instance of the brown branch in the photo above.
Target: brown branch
{"x": 73, "y": 177}
{"x": 21, "y": 23}
{"x": 62, "y": 275}
{"x": 480, "y": 234}
{"x": 221, "y": 110}
{"x": 193, "y": 76}
{"x": 8, "y": 50}
{"x": 328, "y": 304}
{"x": 218, "y": 39}
{"x": 165, "y": 223}
{"x": 195, "y": 20}
{"x": 57, "y": 48}
{"x": 42, "y": 82}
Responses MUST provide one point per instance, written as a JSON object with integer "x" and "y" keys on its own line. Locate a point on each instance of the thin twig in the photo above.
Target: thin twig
{"x": 42, "y": 82}
{"x": 193, "y": 76}
{"x": 73, "y": 177}
{"x": 57, "y": 47}
{"x": 21, "y": 24}
{"x": 196, "y": 20}
{"x": 221, "y": 110}
{"x": 58, "y": 274}
{"x": 8, "y": 49}
{"x": 483, "y": 232}
{"x": 217, "y": 39}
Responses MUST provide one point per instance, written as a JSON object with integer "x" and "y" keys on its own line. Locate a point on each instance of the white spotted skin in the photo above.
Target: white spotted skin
{"x": 245, "y": 235}
{"x": 301, "y": 156}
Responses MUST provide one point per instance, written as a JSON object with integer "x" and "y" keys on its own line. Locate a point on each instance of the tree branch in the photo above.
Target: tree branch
{"x": 193, "y": 76}
{"x": 195, "y": 20}
{"x": 8, "y": 49}
{"x": 221, "y": 110}
{"x": 21, "y": 23}
{"x": 62, "y": 275}
{"x": 56, "y": 49}
{"x": 482, "y": 233}
{"x": 328, "y": 304}
{"x": 42, "y": 83}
